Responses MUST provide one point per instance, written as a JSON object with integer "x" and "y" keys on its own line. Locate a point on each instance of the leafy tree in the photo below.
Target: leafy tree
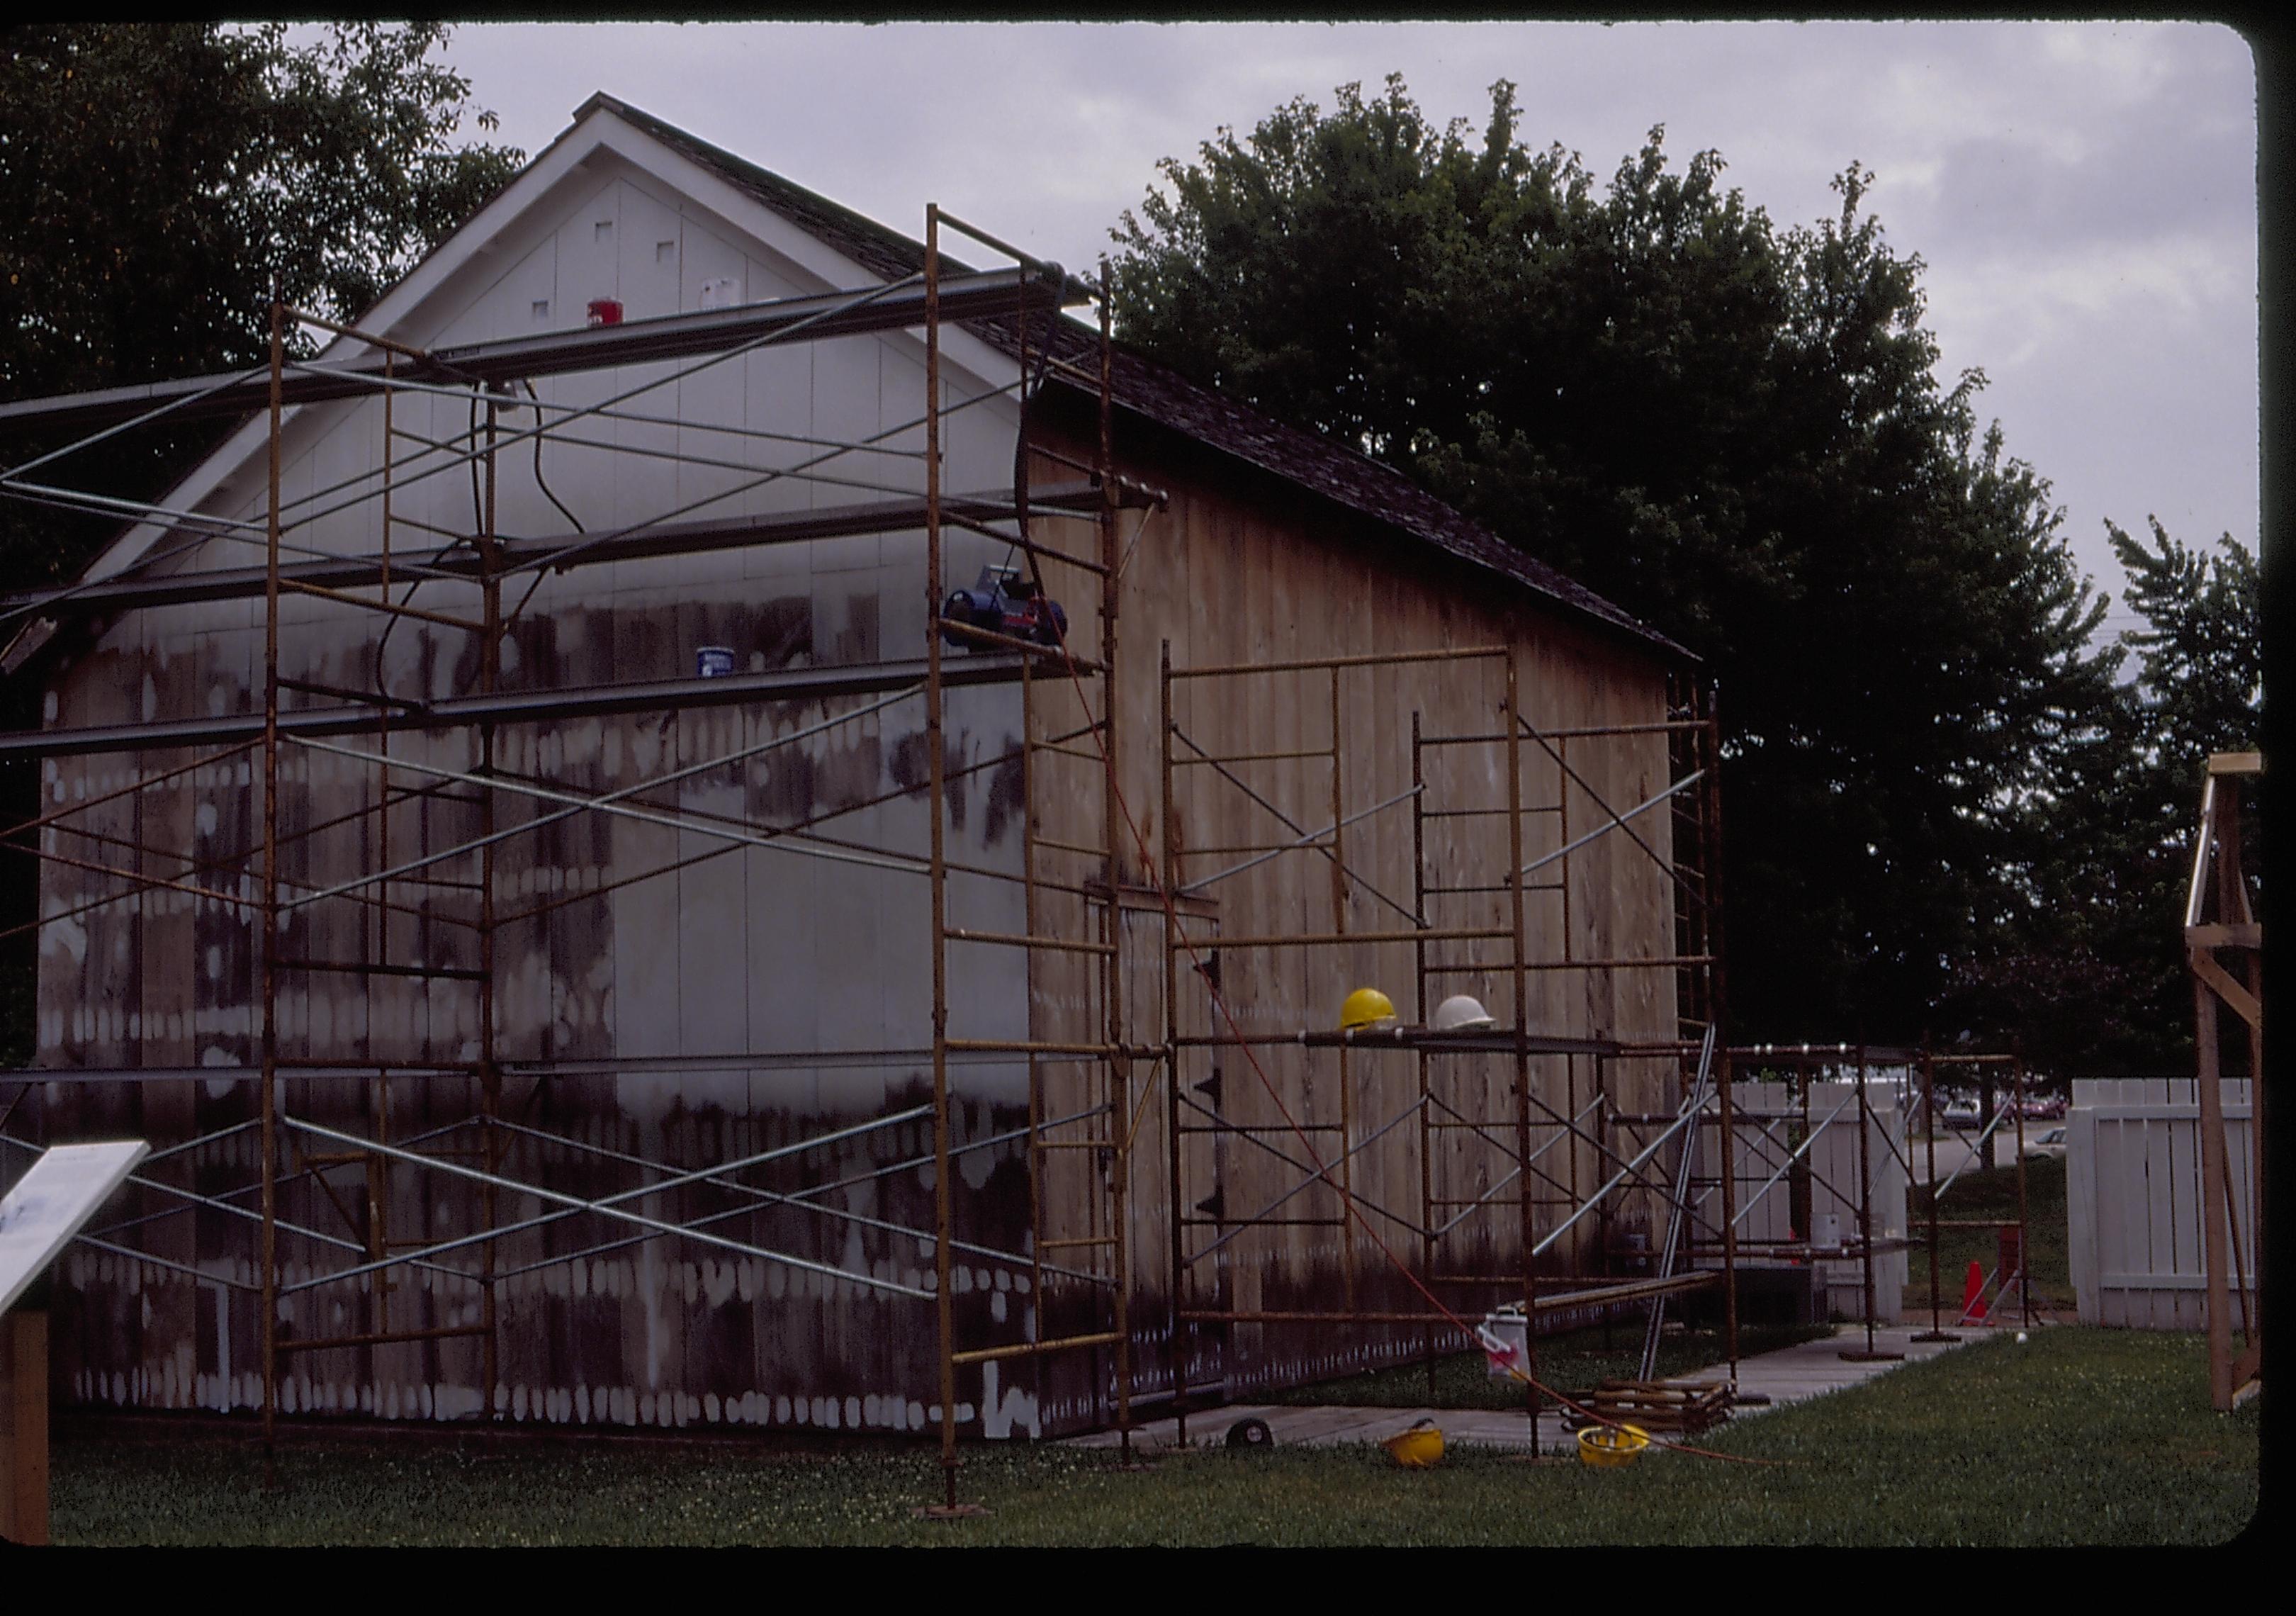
{"x": 2091, "y": 963}
{"x": 2201, "y": 654}
{"x": 155, "y": 178}
{"x": 1736, "y": 432}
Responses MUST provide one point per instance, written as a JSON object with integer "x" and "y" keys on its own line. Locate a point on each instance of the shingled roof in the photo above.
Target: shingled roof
{"x": 1157, "y": 393}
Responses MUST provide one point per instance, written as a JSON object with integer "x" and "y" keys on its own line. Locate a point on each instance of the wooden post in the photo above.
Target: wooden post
{"x": 2216, "y": 1248}
{"x": 2221, "y": 824}
{"x": 24, "y": 1426}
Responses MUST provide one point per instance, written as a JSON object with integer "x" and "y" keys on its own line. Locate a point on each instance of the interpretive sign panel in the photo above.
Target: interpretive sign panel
{"x": 50, "y": 1203}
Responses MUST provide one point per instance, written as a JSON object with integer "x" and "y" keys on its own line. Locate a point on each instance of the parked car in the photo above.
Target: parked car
{"x": 2047, "y": 1147}
{"x": 1961, "y": 1113}
{"x": 2045, "y": 1107}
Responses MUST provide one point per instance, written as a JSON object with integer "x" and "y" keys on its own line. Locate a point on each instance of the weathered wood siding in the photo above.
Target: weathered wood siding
{"x": 1241, "y": 568}
{"x": 802, "y": 973}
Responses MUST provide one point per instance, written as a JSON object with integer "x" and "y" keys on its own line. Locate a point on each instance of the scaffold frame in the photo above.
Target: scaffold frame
{"x": 300, "y": 1155}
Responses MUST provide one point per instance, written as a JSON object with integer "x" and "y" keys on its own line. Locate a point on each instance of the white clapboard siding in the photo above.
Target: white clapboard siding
{"x": 2134, "y": 1202}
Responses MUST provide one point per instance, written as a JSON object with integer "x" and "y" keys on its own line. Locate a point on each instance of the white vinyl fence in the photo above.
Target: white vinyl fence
{"x": 1768, "y": 1130}
{"x": 2133, "y": 1201}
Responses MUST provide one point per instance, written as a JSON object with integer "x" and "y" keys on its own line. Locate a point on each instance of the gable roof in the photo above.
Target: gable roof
{"x": 1157, "y": 393}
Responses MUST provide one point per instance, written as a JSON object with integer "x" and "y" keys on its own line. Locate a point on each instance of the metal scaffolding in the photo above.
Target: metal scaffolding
{"x": 1605, "y": 1157}
{"x": 2010, "y": 1271}
{"x": 429, "y": 898}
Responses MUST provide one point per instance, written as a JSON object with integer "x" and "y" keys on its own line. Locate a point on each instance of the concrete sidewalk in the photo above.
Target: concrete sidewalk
{"x": 1790, "y": 1375}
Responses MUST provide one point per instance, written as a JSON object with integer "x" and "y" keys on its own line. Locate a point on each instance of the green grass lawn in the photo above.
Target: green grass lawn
{"x": 2081, "y": 1436}
{"x": 1572, "y": 1364}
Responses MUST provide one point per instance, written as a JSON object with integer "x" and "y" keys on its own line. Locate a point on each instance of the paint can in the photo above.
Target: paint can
{"x": 712, "y": 662}
{"x": 1511, "y": 1330}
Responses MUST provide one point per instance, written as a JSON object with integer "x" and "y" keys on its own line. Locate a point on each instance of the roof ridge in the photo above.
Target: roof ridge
{"x": 1338, "y": 471}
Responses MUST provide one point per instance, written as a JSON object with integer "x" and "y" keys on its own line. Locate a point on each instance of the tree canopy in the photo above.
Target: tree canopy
{"x": 1735, "y": 431}
{"x": 157, "y": 177}
{"x": 2090, "y": 961}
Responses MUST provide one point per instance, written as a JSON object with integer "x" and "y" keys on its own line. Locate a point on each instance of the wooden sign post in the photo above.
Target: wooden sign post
{"x": 24, "y": 1425}
{"x": 39, "y": 1218}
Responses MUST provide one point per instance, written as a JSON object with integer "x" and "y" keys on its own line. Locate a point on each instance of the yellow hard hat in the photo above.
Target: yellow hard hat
{"x": 1364, "y": 1006}
{"x": 1418, "y": 1448}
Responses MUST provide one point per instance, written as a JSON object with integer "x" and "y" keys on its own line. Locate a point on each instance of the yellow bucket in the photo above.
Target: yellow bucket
{"x": 1606, "y": 1445}
{"x": 1416, "y": 1449}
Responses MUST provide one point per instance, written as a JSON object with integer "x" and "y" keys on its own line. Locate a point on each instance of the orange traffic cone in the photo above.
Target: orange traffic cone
{"x": 1972, "y": 1294}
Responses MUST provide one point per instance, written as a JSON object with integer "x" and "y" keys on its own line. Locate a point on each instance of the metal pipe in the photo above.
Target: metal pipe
{"x": 766, "y": 1198}
{"x": 270, "y": 910}
{"x": 1112, "y": 816}
{"x": 609, "y": 1207}
{"x": 719, "y": 333}
{"x": 1177, "y": 1275}
{"x": 388, "y": 384}
{"x": 1796, "y": 1154}
{"x": 1866, "y": 1195}
{"x": 1618, "y": 822}
{"x": 782, "y": 841}
{"x": 598, "y": 803}
{"x": 803, "y": 1197}
{"x": 1492, "y": 1193}
{"x": 1321, "y": 1176}
{"x": 944, "y": 1213}
{"x": 136, "y": 588}
{"x": 1285, "y": 819}
{"x": 1593, "y": 1200}
{"x": 1250, "y": 1135}
{"x": 1339, "y": 866}
{"x": 823, "y": 818}
{"x": 455, "y": 712}
{"x": 1380, "y": 658}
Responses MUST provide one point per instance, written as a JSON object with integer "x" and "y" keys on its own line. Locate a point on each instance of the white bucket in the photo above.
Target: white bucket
{"x": 1512, "y": 1328}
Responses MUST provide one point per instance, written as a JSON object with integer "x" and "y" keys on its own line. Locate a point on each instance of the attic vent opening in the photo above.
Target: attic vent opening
{"x": 542, "y": 308}
{"x": 603, "y": 231}
{"x": 663, "y": 251}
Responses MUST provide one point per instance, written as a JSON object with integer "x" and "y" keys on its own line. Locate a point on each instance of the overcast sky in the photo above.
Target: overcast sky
{"x": 2083, "y": 195}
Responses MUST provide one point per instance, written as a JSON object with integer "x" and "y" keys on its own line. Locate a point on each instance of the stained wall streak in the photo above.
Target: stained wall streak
{"x": 745, "y": 997}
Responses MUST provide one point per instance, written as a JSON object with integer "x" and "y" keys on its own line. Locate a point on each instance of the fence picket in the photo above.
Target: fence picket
{"x": 2135, "y": 1199}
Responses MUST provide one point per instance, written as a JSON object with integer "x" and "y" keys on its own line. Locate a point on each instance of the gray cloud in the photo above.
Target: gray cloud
{"x": 2083, "y": 195}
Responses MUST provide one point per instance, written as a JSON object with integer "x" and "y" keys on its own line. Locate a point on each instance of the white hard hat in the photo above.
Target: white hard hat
{"x": 1460, "y": 1014}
